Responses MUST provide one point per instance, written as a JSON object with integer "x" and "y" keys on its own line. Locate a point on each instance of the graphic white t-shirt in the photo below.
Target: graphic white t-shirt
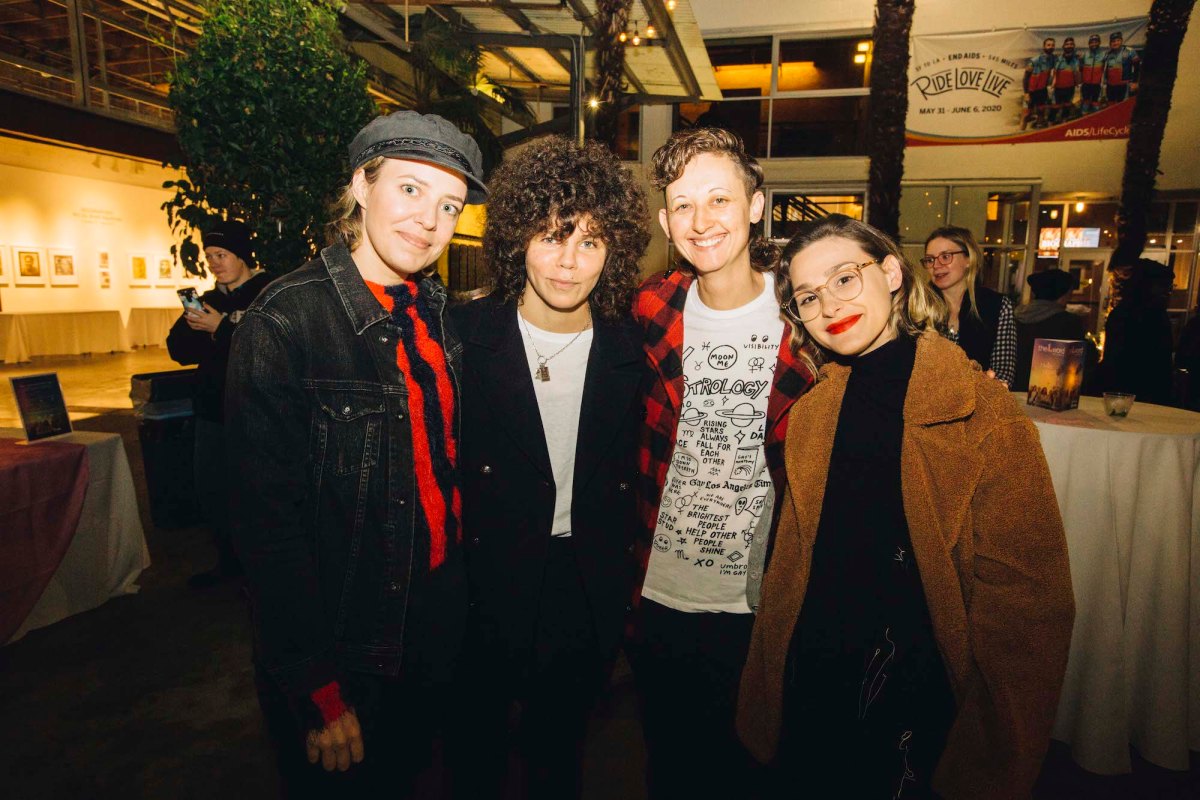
{"x": 559, "y": 401}
{"x": 717, "y": 479}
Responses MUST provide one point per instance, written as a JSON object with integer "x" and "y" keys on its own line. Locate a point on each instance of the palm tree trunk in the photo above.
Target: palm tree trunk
{"x": 1160, "y": 63}
{"x": 889, "y": 112}
{"x": 612, "y": 17}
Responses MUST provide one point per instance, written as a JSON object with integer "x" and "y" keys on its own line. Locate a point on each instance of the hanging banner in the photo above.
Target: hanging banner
{"x": 1056, "y": 84}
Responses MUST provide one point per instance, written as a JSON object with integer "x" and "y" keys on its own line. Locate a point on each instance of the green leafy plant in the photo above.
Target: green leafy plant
{"x": 265, "y": 106}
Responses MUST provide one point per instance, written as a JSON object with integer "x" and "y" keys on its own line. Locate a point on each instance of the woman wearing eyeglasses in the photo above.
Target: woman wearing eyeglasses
{"x": 979, "y": 320}
{"x": 917, "y": 610}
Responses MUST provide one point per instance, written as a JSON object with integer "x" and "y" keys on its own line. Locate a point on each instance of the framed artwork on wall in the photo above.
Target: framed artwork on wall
{"x": 164, "y": 274}
{"x": 103, "y": 270}
{"x": 29, "y": 266}
{"x": 6, "y": 267}
{"x": 61, "y": 266}
{"x": 139, "y": 270}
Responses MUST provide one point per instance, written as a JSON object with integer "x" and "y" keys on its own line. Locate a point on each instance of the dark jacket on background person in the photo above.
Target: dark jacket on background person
{"x": 1137, "y": 352}
{"x": 508, "y": 483}
{"x": 989, "y": 543}
{"x": 1046, "y": 319}
{"x": 977, "y": 335}
{"x": 324, "y": 488}
{"x": 211, "y": 351}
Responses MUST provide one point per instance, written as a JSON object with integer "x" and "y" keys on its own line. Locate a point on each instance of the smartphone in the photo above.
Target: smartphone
{"x": 191, "y": 302}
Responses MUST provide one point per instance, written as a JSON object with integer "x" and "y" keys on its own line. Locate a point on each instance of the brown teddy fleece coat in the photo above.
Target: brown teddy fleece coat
{"x": 989, "y": 542}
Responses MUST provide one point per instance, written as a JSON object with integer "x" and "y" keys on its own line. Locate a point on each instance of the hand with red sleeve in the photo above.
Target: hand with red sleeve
{"x": 340, "y": 742}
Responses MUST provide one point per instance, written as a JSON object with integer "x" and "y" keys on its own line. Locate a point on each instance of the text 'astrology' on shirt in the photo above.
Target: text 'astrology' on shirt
{"x": 717, "y": 481}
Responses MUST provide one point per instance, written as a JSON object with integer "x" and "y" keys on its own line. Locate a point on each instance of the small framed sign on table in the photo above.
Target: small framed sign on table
{"x": 41, "y": 404}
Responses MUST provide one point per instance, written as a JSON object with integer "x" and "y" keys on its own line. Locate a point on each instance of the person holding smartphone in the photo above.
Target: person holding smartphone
{"x": 202, "y": 336}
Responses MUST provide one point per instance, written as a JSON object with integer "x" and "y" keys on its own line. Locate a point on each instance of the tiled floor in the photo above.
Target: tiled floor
{"x": 91, "y": 384}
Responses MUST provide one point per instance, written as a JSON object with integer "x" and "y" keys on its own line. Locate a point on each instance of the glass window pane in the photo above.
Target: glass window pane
{"x": 922, "y": 208}
{"x": 1185, "y": 218}
{"x": 1156, "y": 222}
{"x": 824, "y": 63}
{"x": 999, "y": 269}
{"x": 819, "y": 126}
{"x": 790, "y": 209}
{"x": 742, "y": 66}
{"x": 1090, "y": 224}
{"x": 1050, "y": 222}
{"x": 629, "y": 129}
{"x": 747, "y": 119}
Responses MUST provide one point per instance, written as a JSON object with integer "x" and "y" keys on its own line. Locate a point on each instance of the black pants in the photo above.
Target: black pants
{"x": 537, "y": 697}
{"x": 687, "y": 668}
{"x": 212, "y": 490}
{"x": 398, "y": 720}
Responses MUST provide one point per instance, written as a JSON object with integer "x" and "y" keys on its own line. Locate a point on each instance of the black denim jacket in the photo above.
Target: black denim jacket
{"x": 322, "y": 480}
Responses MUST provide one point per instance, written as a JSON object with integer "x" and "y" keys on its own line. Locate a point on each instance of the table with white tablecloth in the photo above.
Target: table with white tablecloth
{"x": 65, "y": 333}
{"x": 1129, "y": 492}
{"x": 108, "y": 551}
{"x": 148, "y": 327}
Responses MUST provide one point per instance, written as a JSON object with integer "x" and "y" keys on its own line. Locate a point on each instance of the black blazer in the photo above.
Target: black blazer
{"x": 508, "y": 485}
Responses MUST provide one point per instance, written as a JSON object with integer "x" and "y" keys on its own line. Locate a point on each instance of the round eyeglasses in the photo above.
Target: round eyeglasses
{"x": 846, "y": 284}
{"x": 944, "y": 258}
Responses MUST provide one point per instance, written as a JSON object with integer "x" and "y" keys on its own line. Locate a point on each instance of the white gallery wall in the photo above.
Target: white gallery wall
{"x": 58, "y": 200}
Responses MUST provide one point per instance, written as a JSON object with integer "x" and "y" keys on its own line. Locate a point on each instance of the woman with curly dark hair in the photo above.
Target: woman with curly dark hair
{"x": 552, "y": 368}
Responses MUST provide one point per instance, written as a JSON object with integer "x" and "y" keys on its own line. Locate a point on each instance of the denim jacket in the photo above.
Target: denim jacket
{"x": 323, "y": 484}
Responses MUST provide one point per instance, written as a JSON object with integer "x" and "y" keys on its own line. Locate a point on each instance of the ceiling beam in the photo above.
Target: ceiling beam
{"x": 516, "y": 15}
{"x": 661, "y": 19}
{"x": 589, "y": 19}
{"x": 452, "y": 17}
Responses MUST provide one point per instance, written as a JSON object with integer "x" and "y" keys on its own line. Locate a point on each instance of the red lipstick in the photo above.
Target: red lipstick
{"x": 843, "y": 325}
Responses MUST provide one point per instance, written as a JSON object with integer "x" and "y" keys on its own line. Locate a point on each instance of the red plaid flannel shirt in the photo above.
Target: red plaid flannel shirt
{"x": 658, "y": 308}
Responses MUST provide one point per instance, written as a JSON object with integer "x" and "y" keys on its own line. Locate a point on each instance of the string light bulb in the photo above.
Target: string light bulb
{"x": 670, "y": 5}
{"x": 650, "y": 32}
{"x": 637, "y": 39}
{"x": 622, "y": 36}
{"x": 593, "y": 103}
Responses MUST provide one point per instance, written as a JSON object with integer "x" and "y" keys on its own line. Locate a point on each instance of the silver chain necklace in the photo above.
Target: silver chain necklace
{"x": 542, "y": 373}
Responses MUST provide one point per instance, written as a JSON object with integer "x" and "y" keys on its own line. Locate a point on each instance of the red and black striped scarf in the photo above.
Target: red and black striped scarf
{"x": 421, "y": 357}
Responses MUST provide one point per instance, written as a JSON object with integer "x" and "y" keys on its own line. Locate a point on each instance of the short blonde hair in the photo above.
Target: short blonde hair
{"x": 915, "y": 306}
{"x": 345, "y": 214}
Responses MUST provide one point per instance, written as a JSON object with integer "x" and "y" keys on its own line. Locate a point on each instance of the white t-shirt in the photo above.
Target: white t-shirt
{"x": 559, "y": 400}
{"x": 717, "y": 479}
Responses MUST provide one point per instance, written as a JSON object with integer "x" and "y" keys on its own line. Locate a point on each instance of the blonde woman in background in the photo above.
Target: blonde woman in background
{"x": 980, "y": 320}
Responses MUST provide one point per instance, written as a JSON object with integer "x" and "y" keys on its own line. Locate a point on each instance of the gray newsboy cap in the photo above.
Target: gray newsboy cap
{"x": 422, "y": 137}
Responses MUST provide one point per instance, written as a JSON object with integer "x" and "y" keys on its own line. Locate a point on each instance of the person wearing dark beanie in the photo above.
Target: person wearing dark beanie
{"x": 343, "y": 403}
{"x": 202, "y": 337}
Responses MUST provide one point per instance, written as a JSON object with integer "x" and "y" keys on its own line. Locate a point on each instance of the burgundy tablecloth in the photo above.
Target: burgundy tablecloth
{"x": 42, "y": 486}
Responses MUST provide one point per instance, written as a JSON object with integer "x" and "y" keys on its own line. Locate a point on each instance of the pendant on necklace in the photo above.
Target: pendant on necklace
{"x": 543, "y": 373}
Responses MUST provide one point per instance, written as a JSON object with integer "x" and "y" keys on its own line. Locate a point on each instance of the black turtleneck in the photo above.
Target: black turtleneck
{"x": 867, "y": 697}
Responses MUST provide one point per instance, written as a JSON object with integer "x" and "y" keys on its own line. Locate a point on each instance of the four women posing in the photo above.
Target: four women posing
{"x": 913, "y": 623}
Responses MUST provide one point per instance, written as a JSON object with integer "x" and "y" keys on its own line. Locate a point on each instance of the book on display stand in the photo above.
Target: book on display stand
{"x": 1056, "y": 374}
{"x": 41, "y": 405}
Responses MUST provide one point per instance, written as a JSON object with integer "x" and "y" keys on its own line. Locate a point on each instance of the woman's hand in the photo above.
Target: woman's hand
{"x": 338, "y": 744}
{"x": 206, "y": 320}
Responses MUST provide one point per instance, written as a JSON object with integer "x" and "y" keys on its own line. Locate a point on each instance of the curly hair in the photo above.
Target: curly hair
{"x": 670, "y": 160}
{"x": 547, "y": 187}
